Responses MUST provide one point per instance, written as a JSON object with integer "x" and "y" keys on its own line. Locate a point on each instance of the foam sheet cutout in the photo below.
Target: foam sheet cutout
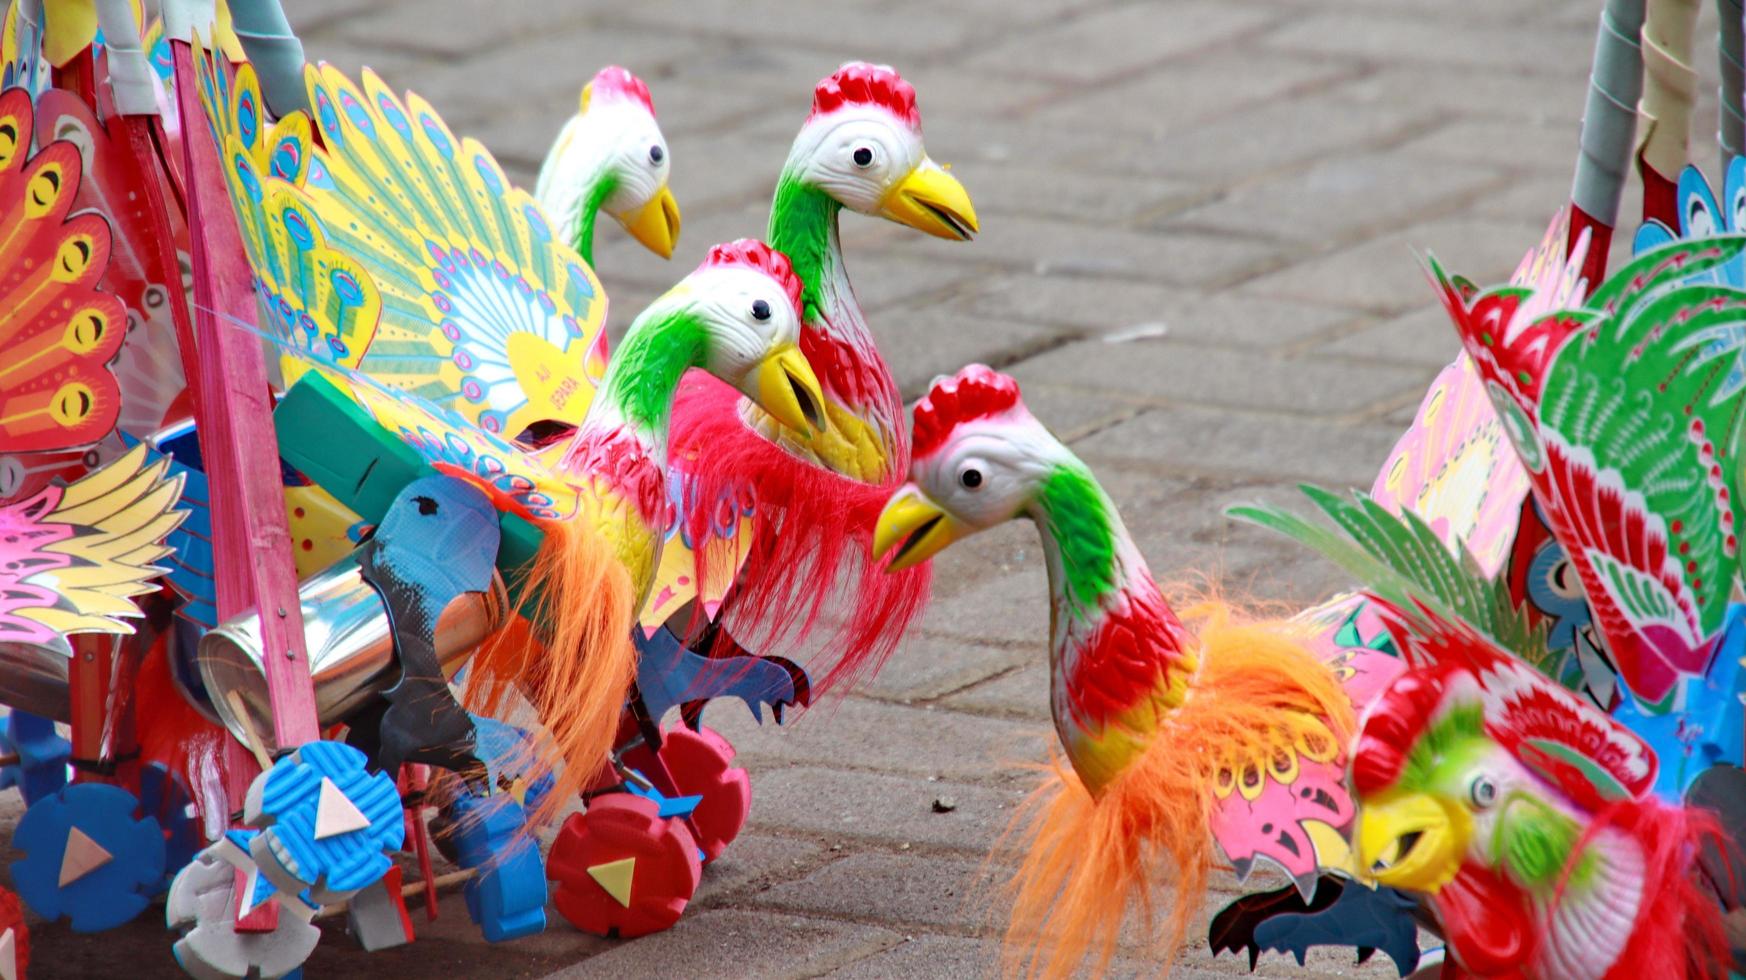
{"x": 72, "y": 558}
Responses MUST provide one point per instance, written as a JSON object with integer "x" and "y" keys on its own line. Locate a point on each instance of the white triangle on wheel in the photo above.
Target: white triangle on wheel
{"x": 81, "y": 856}
{"x": 9, "y": 956}
{"x": 334, "y": 814}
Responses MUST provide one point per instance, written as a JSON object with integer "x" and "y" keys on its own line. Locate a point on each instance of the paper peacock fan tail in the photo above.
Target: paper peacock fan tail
{"x": 311, "y": 296}
{"x": 59, "y": 331}
{"x": 483, "y": 311}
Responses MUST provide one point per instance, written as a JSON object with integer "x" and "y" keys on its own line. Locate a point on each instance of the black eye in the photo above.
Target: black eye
{"x": 863, "y": 156}
{"x": 971, "y": 479}
{"x": 760, "y": 310}
{"x": 656, "y": 154}
{"x": 1484, "y": 793}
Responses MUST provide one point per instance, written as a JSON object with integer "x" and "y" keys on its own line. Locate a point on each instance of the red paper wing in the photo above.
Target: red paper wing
{"x": 58, "y": 330}
{"x": 1636, "y": 591}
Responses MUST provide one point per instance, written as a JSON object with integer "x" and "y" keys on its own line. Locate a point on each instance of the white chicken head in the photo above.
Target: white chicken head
{"x": 862, "y": 146}
{"x": 612, "y": 157}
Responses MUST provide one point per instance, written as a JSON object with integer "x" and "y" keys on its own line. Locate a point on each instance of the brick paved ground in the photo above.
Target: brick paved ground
{"x": 1250, "y": 177}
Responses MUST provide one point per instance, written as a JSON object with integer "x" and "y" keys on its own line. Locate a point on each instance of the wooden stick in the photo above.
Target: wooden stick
{"x": 255, "y": 745}
{"x": 407, "y": 891}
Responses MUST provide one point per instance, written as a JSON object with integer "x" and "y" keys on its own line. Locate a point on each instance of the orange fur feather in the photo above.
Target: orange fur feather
{"x": 1090, "y": 860}
{"x": 574, "y": 666}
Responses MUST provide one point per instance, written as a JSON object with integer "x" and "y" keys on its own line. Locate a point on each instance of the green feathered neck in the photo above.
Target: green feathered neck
{"x": 1081, "y": 531}
{"x": 643, "y": 374}
{"x": 601, "y": 189}
{"x": 803, "y": 226}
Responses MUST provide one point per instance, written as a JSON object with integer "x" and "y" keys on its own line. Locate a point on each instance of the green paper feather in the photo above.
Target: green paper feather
{"x": 1400, "y": 560}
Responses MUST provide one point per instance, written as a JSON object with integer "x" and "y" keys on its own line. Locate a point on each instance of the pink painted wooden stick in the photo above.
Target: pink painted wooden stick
{"x": 251, "y": 540}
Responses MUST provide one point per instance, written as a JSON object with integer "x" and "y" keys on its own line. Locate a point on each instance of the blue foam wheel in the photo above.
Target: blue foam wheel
{"x": 88, "y": 834}
{"x": 286, "y": 803}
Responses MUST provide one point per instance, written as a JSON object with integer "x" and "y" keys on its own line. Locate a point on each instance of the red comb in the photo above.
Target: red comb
{"x": 753, "y": 254}
{"x": 976, "y": 392}
{"x": 860, "y": 83}
{"x": 1396, "y": 720}
{"x": 613, "y": 82}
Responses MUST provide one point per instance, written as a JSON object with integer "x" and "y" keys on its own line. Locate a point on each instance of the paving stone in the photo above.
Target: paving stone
{"x": 1011, "y": 608}
{"x": 958, "y": 87}
{"x": 458, "y": 27}
{"x": 1269, "y": 136}
{"x": 921, "y": 345}
{"x": 901, "y": 891}
{"x": 756, "y": 859}
{"x": 1183, "y": 91}
{"x": 1021, "y": 694}
{"x": 1181, "y": 374}
{"x": 549, "y": 68}
{"x": 1050, "y": 247}
{"x": 1422, "y": 337}
{"x": 928, "y": 666}
{"x": 1541, "y": 100}
{"x": 1122, "y": 307}
{"x": 1386, "y": 274}
{"x": 313, "y": 17}
{"x": 855, "y": 733}
{"x": 833, "y": 807}
{"x": 1551, "y": 146}
{"x": 396, "y": 68}
{"x": 1257, "y": 177}
{"x": 1440, "y": 40}
{"x": 1527, "y": 194}
{"x": 1110, "y": 42}
{"x": 729, "y": 944}
{"x": 929, "y": 956}
{"x": 881, "y": 36}
{"x": 1074, "y": 413}
{"x": 891, "y": 278}
{"x": 1276, "y": 448}
{"x": 955, "y": 956}
{"x": 961, "y": 138}
{"x": 1020, "y": 188}
{"x": 1338, "y": 198}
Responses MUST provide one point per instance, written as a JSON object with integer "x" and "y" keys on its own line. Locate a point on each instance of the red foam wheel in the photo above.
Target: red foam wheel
{"x": 702, "y": 764}
{"x": 12, "y": 920}
{"x": 587, "y": 861}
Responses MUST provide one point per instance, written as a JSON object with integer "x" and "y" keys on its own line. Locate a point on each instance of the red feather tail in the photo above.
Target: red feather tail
{"x": 811, "y": 552}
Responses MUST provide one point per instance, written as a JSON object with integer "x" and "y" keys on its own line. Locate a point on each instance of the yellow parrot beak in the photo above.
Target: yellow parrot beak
{"x": 1412, "y": 841}
{"x": 931, "y": 200}
{"x": 922, "y": 526}
{"x": 783, "y": 385}
{"x": 655, "y": 224}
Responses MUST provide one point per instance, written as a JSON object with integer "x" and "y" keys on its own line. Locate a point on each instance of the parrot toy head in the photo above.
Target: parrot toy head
{"x": 1525, "y": 815}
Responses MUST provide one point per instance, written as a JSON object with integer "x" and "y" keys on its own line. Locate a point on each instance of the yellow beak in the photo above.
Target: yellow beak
{"x": 916, "y": 526}
{"x": 931, "y": 200}
{"x": 1412, "y": 841}
{"x": 783, "y": 385}
{"x": 655, "y": 224}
